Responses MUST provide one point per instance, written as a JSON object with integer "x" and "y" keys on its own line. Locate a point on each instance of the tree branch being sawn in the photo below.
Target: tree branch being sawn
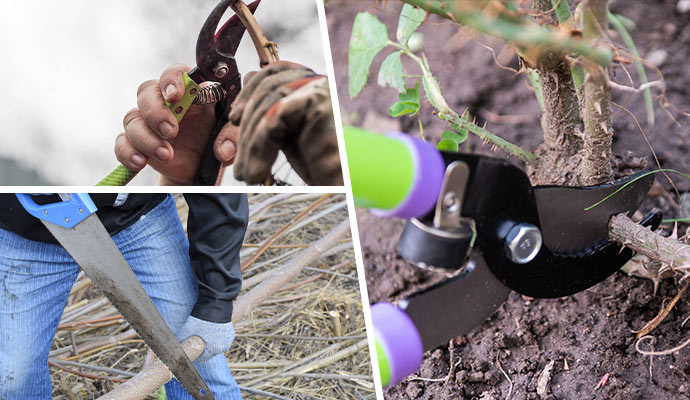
{"x": 157, "y": 374}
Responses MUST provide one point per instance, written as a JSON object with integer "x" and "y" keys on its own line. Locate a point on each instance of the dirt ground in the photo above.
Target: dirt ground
{"x": 588, "y": 335}
{"x": 307, "y": 341}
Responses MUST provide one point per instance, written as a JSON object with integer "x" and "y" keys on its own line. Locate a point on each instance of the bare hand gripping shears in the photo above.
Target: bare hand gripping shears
{"x": 75, "y": 225}
{"x": 216, "y": 65}
{"x": 480, "y": 221}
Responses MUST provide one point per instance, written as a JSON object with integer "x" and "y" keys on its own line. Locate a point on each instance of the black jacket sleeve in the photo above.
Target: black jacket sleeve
{"x": 216, "y": 227}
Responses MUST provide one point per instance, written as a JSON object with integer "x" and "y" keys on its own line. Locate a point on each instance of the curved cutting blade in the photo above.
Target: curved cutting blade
{"x": 213, "y": 47}
{"x": 567, "y": 225}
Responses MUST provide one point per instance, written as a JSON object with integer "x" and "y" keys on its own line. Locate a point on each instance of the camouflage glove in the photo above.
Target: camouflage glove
{"x": 286, "y": 107}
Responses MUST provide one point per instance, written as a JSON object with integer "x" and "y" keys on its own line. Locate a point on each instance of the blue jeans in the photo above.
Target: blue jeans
{"x": 35, "y": 281}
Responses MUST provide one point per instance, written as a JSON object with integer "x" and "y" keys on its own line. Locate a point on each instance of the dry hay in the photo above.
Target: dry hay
{"x": 307, "y": 341}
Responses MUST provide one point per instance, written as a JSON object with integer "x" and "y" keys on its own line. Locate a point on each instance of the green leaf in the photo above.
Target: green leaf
{"x": 457, "y": 137}
{"x": 399, "y": 109}
{"x": 410, "y": 19}
{"x": 411, "y": 95}
{"x": 369, "y": 37}
{"x": 562, "y": 10}
{"x": 448, "y": 145}
{"x": 391, "y": 72}
{"x": 408, "y": 103}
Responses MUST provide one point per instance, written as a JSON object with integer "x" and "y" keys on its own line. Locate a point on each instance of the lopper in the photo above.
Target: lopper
{"x": 479, "y": 221}
{"x": 217, "y": 70}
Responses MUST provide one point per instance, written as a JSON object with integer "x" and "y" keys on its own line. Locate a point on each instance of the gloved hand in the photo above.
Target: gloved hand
{"x": 287, "y": 107}
{"x": 217, "y": 336}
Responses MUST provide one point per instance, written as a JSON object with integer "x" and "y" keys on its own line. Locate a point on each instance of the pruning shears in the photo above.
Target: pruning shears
{"x": 74, "y": 224}
{"x": 478, "y": 220}
{"x": 217, "y": 69}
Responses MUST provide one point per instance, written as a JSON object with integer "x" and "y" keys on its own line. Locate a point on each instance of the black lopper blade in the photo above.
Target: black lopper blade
{"x": 455, "y": 306}
{"x": 566, "y": 223}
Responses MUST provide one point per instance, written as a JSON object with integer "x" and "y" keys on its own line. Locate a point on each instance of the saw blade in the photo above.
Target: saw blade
{"x": 92, "y": 248}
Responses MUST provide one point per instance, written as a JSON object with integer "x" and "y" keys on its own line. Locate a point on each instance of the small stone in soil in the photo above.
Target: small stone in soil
{"x": 491, "y": 378}
{"x": 657, "y": 57}
{"x": 414, "y": 389}
{"x": 461, "y": 377}
{"x": 683, "y": 6}
{"x": 476, "y": 377}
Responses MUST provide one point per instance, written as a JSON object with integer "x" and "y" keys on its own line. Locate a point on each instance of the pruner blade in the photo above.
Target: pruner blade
{"x": 215, "y": 50}
{"x": 215, "y": 57}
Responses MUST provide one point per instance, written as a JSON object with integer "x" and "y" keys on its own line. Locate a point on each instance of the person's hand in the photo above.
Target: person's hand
{"x": 217, "y": 336}
{"x": 287, "y": 107}
{"x": 152, "y": 135}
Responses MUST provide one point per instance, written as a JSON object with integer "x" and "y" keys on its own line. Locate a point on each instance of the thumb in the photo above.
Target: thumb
{"x": 225, "y": 146}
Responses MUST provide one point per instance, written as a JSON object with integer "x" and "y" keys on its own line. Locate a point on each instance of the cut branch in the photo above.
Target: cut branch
{"x": 665, "y": 250}
{"x": 151, "y": 378}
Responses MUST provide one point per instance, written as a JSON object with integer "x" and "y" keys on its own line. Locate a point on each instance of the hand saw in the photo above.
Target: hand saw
{"x": 75, "y": 225}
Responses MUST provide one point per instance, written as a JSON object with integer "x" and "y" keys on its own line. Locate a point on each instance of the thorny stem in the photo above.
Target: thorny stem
{"x": 641, "y": 239}
{"x": 487, "y": 136}
{"x": 453, "y": 118}
{"x": 520, "y": 31}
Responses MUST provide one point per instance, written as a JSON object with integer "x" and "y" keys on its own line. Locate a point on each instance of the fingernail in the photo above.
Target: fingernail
{"x": 137, "y": 160}
{"x": 166, "y": 129}
{"x": 170, "y": 91}
{"x": 163, "y": 153}
{"x": 227, "y": 149}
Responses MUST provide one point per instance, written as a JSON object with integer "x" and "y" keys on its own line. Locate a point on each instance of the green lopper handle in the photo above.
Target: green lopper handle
{"x": 381, "y": 168}
{"x": 396, "y": 175}
{"x": 122, "y": 175}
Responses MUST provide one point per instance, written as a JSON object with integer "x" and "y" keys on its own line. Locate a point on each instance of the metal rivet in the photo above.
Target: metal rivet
{"x": 221, "y": 69}
{"x": 192, "y": 91}
{"x": 178, "y": 110}
{"x": 66, "y": 219}
{"x": 81, "y": 210}
{"x": 523, "y": 243}
{"x": 45, "y": 212}
{"x": 451, "y": 202}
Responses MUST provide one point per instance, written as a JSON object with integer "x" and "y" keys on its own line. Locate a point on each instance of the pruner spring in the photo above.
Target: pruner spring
{"x": 210, "y": 94}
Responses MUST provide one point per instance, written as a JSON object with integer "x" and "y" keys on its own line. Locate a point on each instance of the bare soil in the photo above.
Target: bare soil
{"x": 588, "y": 335}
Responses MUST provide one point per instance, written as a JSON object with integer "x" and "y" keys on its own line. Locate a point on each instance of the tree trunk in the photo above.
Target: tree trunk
{"x": 596, "y": 167}
{"x": 559, "y": 156}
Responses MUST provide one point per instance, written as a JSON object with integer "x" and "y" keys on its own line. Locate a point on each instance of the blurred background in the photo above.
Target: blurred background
{"x": 71, "y": 69}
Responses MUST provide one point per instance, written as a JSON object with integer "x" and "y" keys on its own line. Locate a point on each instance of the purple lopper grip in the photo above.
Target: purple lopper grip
{"x": 399, "y": 338}
{"x": 429, "y": 168}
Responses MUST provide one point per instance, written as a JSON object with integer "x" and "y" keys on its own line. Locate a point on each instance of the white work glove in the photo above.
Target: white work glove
{"x": 217, "y": 336}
